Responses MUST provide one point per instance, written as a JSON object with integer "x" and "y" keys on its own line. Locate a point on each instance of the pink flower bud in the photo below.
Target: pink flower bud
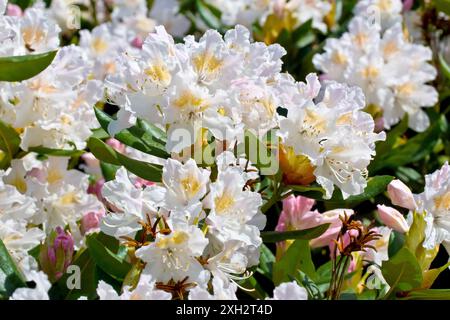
{"x": 392, "y": 218}
{"x": 14, "y": 10}
{"x": 401, "y": 195}
{"x": 91, "y": 221}
{"x": 139, "y": 183}
{"x": 96, "y": 188}
{"x": 137, "y": 42}
{"x": 407, "y": 5}
{"x": 116, "y": 145}
{"x": 57, "y": 253}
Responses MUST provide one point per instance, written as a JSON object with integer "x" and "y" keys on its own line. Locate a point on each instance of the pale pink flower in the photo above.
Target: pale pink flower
{"x": 401, "y": 195}
{"x": 297, "y": 215}
{"x": 392, "y": 218}
{"x": 91, "y": 221}
{"x": 14, "y": 10}
{"x": 116, "y": 145}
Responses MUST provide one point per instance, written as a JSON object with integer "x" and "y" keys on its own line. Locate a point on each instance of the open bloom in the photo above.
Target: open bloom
{"x": 435, "y": 203}
{"x": 326, "y": 124}
{"x": 392, "y": 71}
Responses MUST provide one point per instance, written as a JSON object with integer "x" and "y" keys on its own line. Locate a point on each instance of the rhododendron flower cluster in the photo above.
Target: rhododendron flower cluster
{"x": 224, "y": 150}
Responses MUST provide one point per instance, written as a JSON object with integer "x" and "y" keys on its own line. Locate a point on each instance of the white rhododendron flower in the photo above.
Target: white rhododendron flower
{"x": 435, "y": 203}
{"x": 193, "y": 220}
{"x": 246, "y": 12}
{"x": 333, "y": 132}
{"x": 145, "y": 290}
{"x": 206, "y": 84}
{"x": 289, "y": 291}
{"x": 54, "y": 109}
{"x": 392, "y": 72}
{"x": 39, "y": 292}
{"x": 385, "y": 12}
{"x": 34, "y": 32}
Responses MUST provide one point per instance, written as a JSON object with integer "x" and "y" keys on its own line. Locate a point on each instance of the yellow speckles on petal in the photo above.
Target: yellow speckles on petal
{"x": 370, "y": 72}
{"x": 159, "y": 73}
{"x": 69, "y": 198}
{"x": 391, "y": 48}
{"x": 385, "y": 5}
{"x": 223, "y": 203}
{"x": 32, "y": 35}
{"x": 345, "y": 119}
{"x": 339, "y": 58}
{"x": 175, "y": 239}
{"x": 99, "y": 46}
{"x": 361, "y": 39}
{"x": 188, "y": 100}
{"x": 191, "y": 186}
{"x": 207, "y": 65}
{"x": 443, "y": 201}
{"x": 54, "y": 176}
{"x": 405, "y": 89}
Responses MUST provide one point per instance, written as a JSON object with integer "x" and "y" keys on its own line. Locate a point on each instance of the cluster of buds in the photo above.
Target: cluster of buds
{"x": 57, "y": 253}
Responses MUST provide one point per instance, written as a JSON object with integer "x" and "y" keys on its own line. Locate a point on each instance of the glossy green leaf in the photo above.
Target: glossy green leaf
{"x": 428, "y": 294}
{"x": 10, "y": 276}
{"x": 57, "y": 152}
{"x": 445, "y": 67}
{"x": 107, "y": 154}
{"x": 107, "y": 260}
{"x": 297, "y": 257}
{"x": 208, "y": 15}
{"x": 412, "y": 151}
{"x": 24, "y": 67}
{"x": 443, "y": 6}
{"x": 102, "y": 151}
{"x": 266, "y": 261}
{"x": 306, "y": 234}
{"x": 402, "y": 272}
{"x": 9, "y": 144}
{"x": 143, "y": 136}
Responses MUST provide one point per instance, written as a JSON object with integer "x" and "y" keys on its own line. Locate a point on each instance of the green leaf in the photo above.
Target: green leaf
{"x": 375, "y": 186}
{"x": 107, "y": 154}
{"x": 430, "y": 276}
{"x": 102, "y": 151}
{"x": 251, "y": 283}
{"x": 428, "y": 294}
{"x": 402, "y": 272}
{"x": 412, "y": 151}
{"x": 306, "y": 234}
{"x": 392, "y": 136}
{"x": 24, "y": 67}
{"x": 143, "y": 136}
{"x": 56, "y": 152}
{"x": 258, "y": 152}
{"x": 208, "y": 15}
{"x": 108, "y": 170}
{"x": 108, "y": 261}
{"x": 266, "y": 261}
{"x": 443, "y": 6}
{"x": 88, "y": 281}
{"x": 304, "y": 35}
{"x": 9, "y": 144}
{"x": 10, "y": 276}
{"x": 147, "y": 171}
{"x": 445, "y": 68}
{"x": 297, "y": 257}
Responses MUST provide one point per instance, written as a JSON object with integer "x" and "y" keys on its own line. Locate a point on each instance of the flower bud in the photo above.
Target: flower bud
{"x": 91, "y": 221}
{"x": 392, "y": 218}
{"x": 401, "y": 195}
{"x": 57, "y": 253}
{"x": 14, "y": 10}
{"x": 116, "y": 145}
